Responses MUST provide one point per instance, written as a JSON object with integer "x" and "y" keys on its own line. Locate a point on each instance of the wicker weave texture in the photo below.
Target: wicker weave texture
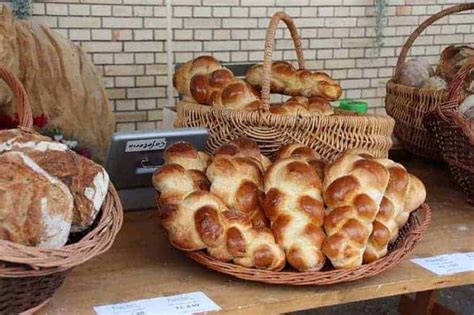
{"x": 410, "y": 106}
{"x": 29, "y": 276}
{"x": 408, "y": 237}
{"x": 455, "y": 135}
{"x": 329, "y": 136}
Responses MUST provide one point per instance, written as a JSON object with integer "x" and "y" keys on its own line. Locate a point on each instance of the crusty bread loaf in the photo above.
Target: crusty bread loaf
{"x": 36, "y": 209}
{"x": 205, "y": 81}
{"x": 297, "y": 150}
{"x": 287, "y": 80}
{"x": 404, "y": 194}
{"x": 197, "y": 219}
{"x": 354, "y": 187}
{"x": 87, "y": 181}
{"x": 299, "y": 105}
{"x": 186, "y": 155}
{"x": 294, "y": 204}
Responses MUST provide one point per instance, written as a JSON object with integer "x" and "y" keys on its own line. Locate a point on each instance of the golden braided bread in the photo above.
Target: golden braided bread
{"x": 354, "y": 186}
{"x": 294, "y": 205}
{"x": 287, "y": 80}
{"x": 299, "y": 105}
{"x": 404, "y": 194}
{"x": 197, "y": 219}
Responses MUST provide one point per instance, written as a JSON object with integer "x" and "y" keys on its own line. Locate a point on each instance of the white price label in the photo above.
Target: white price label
{"x": 188, "y": 303}
{"x": 447, "y": 264}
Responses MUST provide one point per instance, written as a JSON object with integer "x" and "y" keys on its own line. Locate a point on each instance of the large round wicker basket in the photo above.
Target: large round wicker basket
{"x": 329, "y": 135}
{"x": 409, "y": 236}
{"x": 409, "y": 106}
{"x": 29, "y": 276}
{"x": 455, "y": 135}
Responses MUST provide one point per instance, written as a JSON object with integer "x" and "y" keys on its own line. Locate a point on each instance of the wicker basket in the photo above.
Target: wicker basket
{"x": 409, "y": 236}
{"x": 29, "y": 276}
{"x": 409, "y": 105}
{"x": 455, "y": 135}
{"x": 328, "y": 135}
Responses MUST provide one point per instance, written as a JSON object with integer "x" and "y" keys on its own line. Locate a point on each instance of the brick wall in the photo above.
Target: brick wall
{"x": 127, "y": 41}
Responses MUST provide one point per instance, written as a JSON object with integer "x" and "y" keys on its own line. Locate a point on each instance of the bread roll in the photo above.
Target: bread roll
{"x": 87, "y": 181}
{"x": 299, "y": 105}
{"x": 287, "y": 80}
{"x": 244, "y": 147}
{"x": 298, "y": 150}
{"x": 354, "y": 187}
{"x": 36, "y": 209}
{"x": 294, "y": 205}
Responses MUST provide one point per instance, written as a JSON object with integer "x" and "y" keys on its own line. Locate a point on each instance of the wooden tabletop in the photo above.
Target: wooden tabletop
{"x": 142, "y": 264}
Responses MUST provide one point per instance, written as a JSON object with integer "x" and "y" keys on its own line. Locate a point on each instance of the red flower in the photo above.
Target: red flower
{"x": 40, "y": 121}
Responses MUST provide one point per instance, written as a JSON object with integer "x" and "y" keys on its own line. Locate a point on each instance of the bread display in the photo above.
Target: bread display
{"x": 197, "y": 219}
{"x": 347, "y": 212}
{"x": 404, "y": 193}
{"x": 414, "y": 72}
{"x": 205, "y": 81}
{"x": 87, "y": 181}
{"x": 294, "y": 205}
{"x": 287, "y": 80}
{"x": 299, "y": 105}
{"x": 36, "y": 209}
{"x": 452, "y": 58}
{"x": 354, "y": 186}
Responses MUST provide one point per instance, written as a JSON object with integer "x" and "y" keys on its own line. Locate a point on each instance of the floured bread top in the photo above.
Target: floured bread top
{"x": 87, "y": 181}
{"x": 36, "y": 208}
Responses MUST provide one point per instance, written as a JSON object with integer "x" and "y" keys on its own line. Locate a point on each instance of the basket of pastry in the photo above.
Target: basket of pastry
{"x": 416, "y": 89}
{"x": 452, "y": 122}
{"x": 294, "y": 221}
{"x": 57, "y": 210}
{"x": 230, "y": 107}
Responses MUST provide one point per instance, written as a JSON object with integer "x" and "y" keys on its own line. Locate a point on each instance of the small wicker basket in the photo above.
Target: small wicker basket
{"x": 29, "y": 276}
{"x": 328, "y": 135}
{"x": 410, "y": 106}
{"x": 408, "y": 237}
{"x": 455, "y": 134}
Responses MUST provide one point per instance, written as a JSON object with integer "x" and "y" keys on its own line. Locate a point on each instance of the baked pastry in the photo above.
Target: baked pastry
{"x": 452, "y": 58}
{"x": 238, "y": 182}
{"x": 414, "y": 72}
{"x": 186, "y": 155}
{"x": 36, "y": 208}
{"x": 205, "y": 81}
{"x": 404, "y": 194}
{"x": 287, "y": 80}
{"x": 299, "y": 105}
{"x": 244, "y": 147}
{"x": 354, "y": 187}
{"x": 197, "y": 219}
{"x": 294, "y": 205}
{"x": 298, "y": 150}
{"x": 87, "y": 181}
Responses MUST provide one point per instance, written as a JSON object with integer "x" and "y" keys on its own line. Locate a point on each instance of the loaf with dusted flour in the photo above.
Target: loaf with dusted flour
{"x": 36, "y": 209}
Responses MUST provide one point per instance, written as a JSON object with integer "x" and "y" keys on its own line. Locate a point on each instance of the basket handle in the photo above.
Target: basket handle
{"x": 457, "y": 83}
{"x": 406, "y": 47}
{"x": 20, "y": 98}
{"x": 268, "y": 53}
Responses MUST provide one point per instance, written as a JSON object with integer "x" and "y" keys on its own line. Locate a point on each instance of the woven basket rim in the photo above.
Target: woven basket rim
{"x": 416, "y": 228}
{"x": 19, "y": 261}
{"x": 258, "y": 114}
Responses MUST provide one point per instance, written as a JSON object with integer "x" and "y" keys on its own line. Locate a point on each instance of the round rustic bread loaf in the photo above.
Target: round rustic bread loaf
{"x": 36, "y": 208}
{"x": 87, "y": 181}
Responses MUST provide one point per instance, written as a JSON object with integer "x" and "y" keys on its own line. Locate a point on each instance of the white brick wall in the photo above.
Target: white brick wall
{"x": 126, "y": 40}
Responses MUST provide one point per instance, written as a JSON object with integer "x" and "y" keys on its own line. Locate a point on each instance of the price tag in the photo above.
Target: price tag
{"x": 447, "y": 264}
{"x": 188, "y": 303}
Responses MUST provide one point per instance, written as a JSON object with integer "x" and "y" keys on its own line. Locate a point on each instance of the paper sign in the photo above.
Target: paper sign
{"x": 447, "y": 264}
{"x": 188, "y": 303}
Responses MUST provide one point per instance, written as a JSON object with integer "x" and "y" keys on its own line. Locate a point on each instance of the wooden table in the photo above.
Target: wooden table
{"x": 142, "y": 264}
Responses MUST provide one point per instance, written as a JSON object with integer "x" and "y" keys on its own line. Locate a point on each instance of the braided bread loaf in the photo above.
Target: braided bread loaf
{"x": 294, "y": 205}
{"x": 205, "y": 81}
{"x": 287, "y": 80}
{"x": 354, "y": 186}
{"x": 197, "y": 219}
{"x": 244, "y": 147}
{"x": 304, "y": 152}
{"x": 404, "y": 194}
{"x": 299, "y": 105}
